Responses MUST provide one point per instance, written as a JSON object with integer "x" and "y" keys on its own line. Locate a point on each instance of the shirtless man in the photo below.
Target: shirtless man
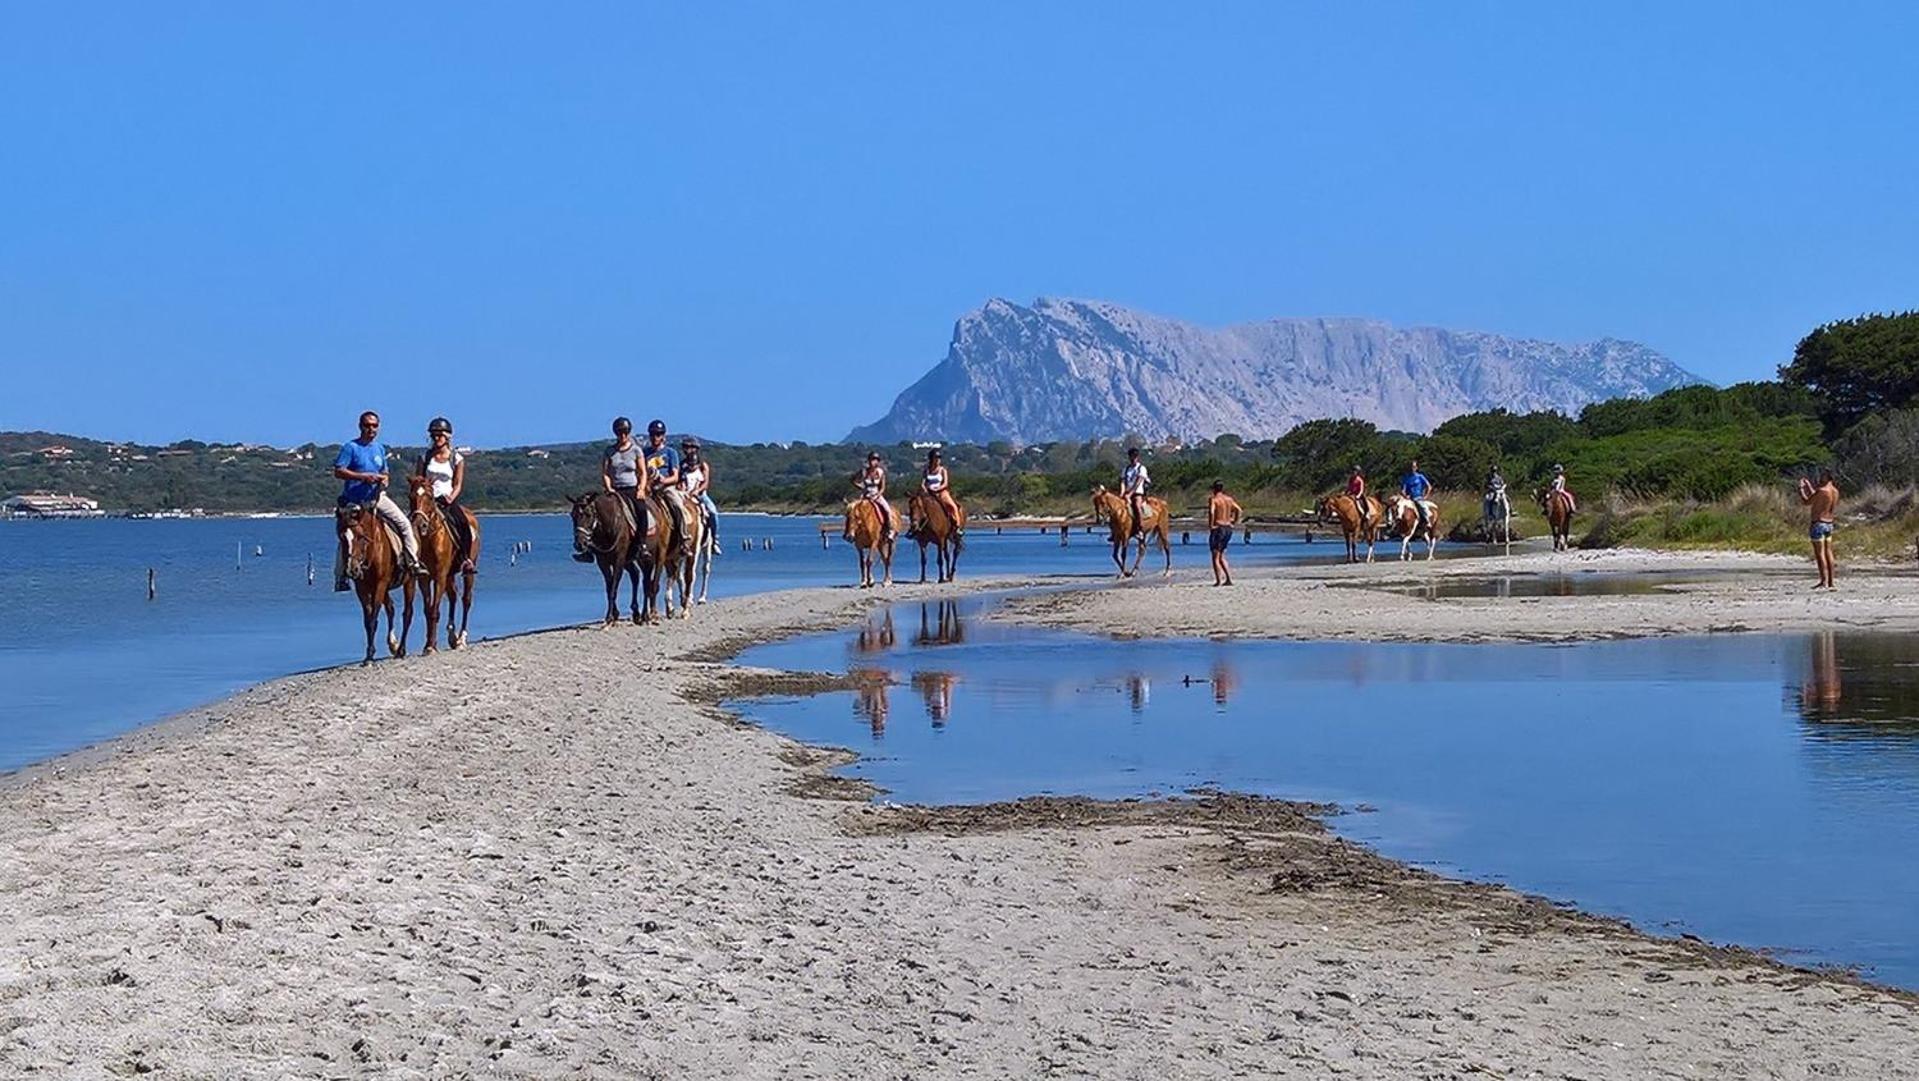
{"x": 1222, "y": 514}
{"x": 1822, "y": 500}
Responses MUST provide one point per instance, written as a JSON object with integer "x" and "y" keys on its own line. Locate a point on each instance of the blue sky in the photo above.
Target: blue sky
{"x": 760, "y": 221}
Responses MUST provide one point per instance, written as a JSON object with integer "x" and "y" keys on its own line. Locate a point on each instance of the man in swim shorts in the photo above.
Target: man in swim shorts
{"x": 1222, "y": 514}
{"x": 1822, "y": 500}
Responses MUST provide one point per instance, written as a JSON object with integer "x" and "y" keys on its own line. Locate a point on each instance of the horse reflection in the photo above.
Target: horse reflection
{"x": 875, "y": 637}
{"x": 869, "y": 698}
{"x": 944, "y": 630}
{"x": 1139, "y": 692}
{"x": 936, "y": 690}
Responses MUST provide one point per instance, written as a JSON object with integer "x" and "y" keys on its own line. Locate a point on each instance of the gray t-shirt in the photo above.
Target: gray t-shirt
{"x": 624, "y": 465}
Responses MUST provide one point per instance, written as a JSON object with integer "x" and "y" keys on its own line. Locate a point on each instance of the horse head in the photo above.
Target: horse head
{"x": 360, "y": 526}
{"x": 1323, "y": 510}
{"x": 420, "y": 497}
{"x": 1100, "y": 498}
{"x": 586, "y": 518}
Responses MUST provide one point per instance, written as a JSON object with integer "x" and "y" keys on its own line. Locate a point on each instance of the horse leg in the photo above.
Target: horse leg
{"x": 370, "y": 613}
{"x": 886, "y": 560}
{"x": 1166, "y": 549}
{"x": 394, "y": 645}
{"x": 922, "y": 545}
{"x": 610, "y": 576}
{"x": 431, "y": 591}
{"x": 466, "y": 603}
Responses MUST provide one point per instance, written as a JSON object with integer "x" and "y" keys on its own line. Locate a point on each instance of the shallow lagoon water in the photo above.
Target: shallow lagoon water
{"x": 1755, "y": 789}
{"x": 84, "y": 655}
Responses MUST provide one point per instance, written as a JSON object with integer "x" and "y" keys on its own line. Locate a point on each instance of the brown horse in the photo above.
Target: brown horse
{"x": 440, "y": 552}
{"x": 373, "y": 564}
{"x": 1559, "y": 516}
{"x": 864, "y": 527}
{"x": 1119, "y": 516}
{"x": 1406, "y": 520}
{"x": 928, "y": 523}
{"x": 676, "y": 551}
{"x": 1344, "y": 509}
{"x": 603, "y": 527}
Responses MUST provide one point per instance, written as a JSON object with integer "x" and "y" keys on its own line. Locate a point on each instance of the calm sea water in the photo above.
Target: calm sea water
{"x": 84, "y": 655}
{"x": 1753, "y": 789}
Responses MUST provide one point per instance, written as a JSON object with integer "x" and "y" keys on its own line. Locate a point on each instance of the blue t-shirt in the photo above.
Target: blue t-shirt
{"x": 1416, "y": 485}
{"x": 663, "y": 460}
{"x": 361, "y": 458}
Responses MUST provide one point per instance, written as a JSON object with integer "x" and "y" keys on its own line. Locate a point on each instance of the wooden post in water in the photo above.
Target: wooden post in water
{"x": 236, "y": 555}
{"x": 309, "y": 569}
{"x": 152, "y": 586}
{"x": 1063, "y": 531}
{"x": 1185, "y": 536}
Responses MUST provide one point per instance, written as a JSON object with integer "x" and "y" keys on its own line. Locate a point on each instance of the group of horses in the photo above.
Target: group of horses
{"x": 1400, "y": 515}
{"x": 673, "y": 554}
{"x": 375, "y": 567}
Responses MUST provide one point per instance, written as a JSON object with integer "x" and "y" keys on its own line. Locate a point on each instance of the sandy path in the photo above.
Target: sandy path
{"x": 1738, "y": 592}
{"x": 545, "y": 858}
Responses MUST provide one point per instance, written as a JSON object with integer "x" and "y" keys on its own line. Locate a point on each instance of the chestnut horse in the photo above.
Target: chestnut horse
{"x": 864, "y": 527}
{"x": 1119, "y": 515}
{"x": 1344, "y": 509}
{"x": 440, "y": 552}
{"x": 1559, "y": 516}
{"x": 373, "y": 564}
{"x": 928, "y": 523}
{"x": 1406, "y": 520}
{"x": 603, "y": 526}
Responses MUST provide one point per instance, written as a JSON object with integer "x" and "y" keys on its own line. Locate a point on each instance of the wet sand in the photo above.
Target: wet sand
{"x": 556, "y": 856}
{"x": 1733, "y": 592}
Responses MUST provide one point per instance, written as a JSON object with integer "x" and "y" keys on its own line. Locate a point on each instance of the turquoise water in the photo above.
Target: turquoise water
{"x": 84, "y": 655}
{"x": 1754, "y": 789}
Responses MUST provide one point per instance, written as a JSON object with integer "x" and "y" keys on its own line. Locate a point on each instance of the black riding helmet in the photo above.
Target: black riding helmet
{"x": 689, "y": 443}
{"x": 621, "y": 425}
{"x": 438, "y": 425}
{"x": 656, "y": 427}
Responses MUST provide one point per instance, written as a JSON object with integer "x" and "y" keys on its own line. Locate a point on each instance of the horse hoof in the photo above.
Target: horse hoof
{"x": 428, "y": 651}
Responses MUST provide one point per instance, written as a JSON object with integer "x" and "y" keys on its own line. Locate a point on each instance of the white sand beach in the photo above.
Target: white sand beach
{"x": 553, "y": 856}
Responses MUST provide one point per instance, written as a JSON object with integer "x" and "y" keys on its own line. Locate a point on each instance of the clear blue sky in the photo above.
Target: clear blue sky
{"x": 247, "y": 221}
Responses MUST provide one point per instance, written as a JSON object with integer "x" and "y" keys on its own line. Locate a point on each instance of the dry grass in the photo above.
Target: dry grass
{"x": 1874, "y": 523}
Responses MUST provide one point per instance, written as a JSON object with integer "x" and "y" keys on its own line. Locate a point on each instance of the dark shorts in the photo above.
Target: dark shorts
{"x": 1221, "y": 536}
{"x": 1821, "y": 531}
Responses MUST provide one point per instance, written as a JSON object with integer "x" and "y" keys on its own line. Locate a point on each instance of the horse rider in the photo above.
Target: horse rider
{"x": 362, "y": 465}
{"x": 1559, "y": 485}
{"x": 1356, "y": 491}
{"x": 1414, "y": 487}
{"x": 938, "y": 483}
{"x": 620, "y": 473}
{"x": 444, "y": 470}
{"x": 1496, "y": 491}
{"x": 871, "y": 481}
{"x": 1132, "y": 484}
{"x": 663, "y": 473}
{"x": 696, "y": 478}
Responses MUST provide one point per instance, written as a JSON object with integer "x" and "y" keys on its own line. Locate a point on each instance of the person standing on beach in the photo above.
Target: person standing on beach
{"x": 1222, "y": 515}
{"x": 362, "y": 465}
{"x": 1822, "y": 500}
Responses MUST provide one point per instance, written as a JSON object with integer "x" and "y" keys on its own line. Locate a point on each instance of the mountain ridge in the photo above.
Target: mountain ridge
{"x": 1065, "y": 368}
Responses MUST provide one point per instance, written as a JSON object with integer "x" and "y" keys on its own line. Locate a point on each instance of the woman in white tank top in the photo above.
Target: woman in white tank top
{"x": 445, "y": 470}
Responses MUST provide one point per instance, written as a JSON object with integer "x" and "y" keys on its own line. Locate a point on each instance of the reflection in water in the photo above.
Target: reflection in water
{"x": 1139, "y": 692}
{"x": 869, "y": 698}
{"x": 936, "y": 689}
{"x": 876, "y": 634}
{"x": 1861, "y": 685}
{"x": 1225, "y": 681}
{"x": 946, "y": 630}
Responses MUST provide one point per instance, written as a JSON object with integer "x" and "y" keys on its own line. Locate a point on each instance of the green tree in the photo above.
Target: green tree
{"x": 1857, "y": 366}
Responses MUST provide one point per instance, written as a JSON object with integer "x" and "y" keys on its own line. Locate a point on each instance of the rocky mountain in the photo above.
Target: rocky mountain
{"x": 1076, "y": 369}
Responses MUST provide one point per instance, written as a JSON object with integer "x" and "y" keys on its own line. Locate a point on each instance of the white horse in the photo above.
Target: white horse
{"x": 1496, "y": 518}
{"x": 1406, "y": 520}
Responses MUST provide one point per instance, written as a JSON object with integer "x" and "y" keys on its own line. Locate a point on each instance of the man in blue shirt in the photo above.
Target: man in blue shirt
{"x": 362, "y": 465}
{"x": 663, "y": 473}
{"x": 1415, "y": 487}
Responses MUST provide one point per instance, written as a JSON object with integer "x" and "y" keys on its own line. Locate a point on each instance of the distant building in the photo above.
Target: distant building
{"x": 536, "y": 452}
{"x": 56, "y": 451}
{"x": 48, "y": 505}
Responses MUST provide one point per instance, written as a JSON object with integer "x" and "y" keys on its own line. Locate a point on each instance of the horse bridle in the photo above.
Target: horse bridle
{"x": 583, "y": 535}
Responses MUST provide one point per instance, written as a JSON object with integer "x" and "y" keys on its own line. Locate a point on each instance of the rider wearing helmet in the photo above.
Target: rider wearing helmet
{"x": 1414, "y": 487}
{"x": 938, "y": 483}
{"x": 1559, "y": 485}
{"x": 696, "y": 476}
{"x": 871, "y": 481}
{"x": 362, "y": 465}
{"x": 444, "y": 470}
{"x": 663, "y": 473}
{"x": 621, "y": 474}
{"x": 1356, "y": 490}
{"x": 1132, "y": 484}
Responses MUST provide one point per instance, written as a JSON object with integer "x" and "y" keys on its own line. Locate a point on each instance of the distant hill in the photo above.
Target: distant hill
{"x": 1075, "y": 369}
